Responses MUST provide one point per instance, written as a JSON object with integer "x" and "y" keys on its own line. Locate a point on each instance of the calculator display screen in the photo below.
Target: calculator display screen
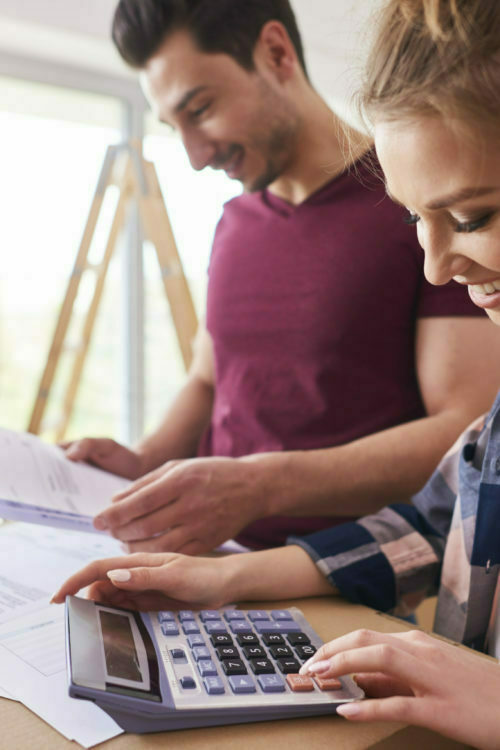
{"x": 120, "y": 654}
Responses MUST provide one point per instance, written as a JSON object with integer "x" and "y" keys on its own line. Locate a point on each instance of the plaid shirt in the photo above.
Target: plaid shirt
{"x": 447, "y": 542}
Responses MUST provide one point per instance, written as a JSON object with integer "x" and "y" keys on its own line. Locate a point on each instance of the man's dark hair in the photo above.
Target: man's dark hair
{"x": 228, "y": 26}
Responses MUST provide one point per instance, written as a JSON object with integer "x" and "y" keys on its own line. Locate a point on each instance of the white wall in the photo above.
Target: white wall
{"x": 78, "y": 31}
{"x": 84, "y": 16}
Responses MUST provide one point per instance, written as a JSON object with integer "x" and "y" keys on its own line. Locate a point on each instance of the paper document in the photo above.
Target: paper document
{"x": 38, "y": 484}
{"x": 32, "y": 654}
{"x": 34, "y": 561}
{"x": 5, "y": 694}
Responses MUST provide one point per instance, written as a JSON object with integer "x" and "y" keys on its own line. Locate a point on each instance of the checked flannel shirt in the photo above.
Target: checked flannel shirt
{"x": 446, "y": 542}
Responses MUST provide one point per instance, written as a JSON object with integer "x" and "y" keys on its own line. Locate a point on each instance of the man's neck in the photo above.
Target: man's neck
{"x": 326, "y": 146}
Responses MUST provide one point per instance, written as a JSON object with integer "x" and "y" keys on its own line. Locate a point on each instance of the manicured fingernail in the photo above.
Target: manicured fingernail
{"x": 119, "y": 575}
{"x": 100, "y": 524}
{"x": 349, "y": 709}
{"x": 318, "y": 666}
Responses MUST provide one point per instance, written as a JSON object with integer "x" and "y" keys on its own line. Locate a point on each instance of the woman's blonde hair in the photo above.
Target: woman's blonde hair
{"x": 435, "y": 57}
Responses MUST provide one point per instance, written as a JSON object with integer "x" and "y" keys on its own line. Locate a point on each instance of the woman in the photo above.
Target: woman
{"x": 432, "y": 94}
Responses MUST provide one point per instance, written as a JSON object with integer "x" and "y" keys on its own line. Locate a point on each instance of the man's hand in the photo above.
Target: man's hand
{"x": 107, "y": 455}
{"x": 188, "y": 506}
{"x": 416, "y": 679}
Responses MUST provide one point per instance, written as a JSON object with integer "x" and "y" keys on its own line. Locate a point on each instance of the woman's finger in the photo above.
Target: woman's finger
{"x": 97, "y": 570}
{"x": 382, "y": 657}
{"x": 403, "y": 709}
{"x": 409, "y": 641}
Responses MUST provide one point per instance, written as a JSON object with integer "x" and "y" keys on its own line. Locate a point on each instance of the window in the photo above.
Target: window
{"x": 53, "y": 144}
{"x": 52, "y": 147}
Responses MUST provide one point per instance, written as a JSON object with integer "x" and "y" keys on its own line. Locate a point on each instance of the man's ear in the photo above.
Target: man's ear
{"x": 275, "y": 51}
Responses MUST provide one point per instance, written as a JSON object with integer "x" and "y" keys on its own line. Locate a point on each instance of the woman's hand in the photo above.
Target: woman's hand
{"x": 158, "y": 581}
{"x": 168, "y": 580}
{"x": 417, "y": 679}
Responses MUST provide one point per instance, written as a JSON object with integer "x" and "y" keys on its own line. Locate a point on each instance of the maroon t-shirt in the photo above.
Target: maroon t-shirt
{"x": 312, "y": 312}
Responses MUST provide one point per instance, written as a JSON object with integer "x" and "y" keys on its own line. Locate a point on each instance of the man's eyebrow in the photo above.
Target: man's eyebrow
{"x": 187, "y": 98}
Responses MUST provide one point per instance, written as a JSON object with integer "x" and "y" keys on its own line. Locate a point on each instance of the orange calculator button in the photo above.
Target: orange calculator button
{"x": 327, "y": 683}
{"x": 299, "y": 683}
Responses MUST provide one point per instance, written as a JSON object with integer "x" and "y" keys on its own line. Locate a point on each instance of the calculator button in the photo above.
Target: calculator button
{"x": 169, "y": 628}
{"x": 263, "y": 626}
{"x": 288, "y": 626}
{"x": 233, "y": 614}
{"x": 262, "y": 666}
{"x": 187, "y": 682}
{"x": 177, "y": 653}
{"x": 209, "y": 614}
{"x": 215, "y": 626}
{"x": 296, "y": 638}
{"x": 201, "y": 652}
{"x": 280, "y": 652}
{"x": 166, "y": 617}
{"x": 257, "y": 614}
{"x": 304, "y": 652}
{"x": 270, "y": 639}
{"x": 207, "y": 668}
{"x": 248, "y": 639}
{"x": 327, "y": 683}
{"x": 271, "y": 683}
{"x": 299, "y": 683}
{"x": 288, "y": 666}
{"x": 214, "y": 685}
{"x": 186, "y": 614}
{"x": 254, "y": 652}
{"x": 227, "y": 652}
{"x": 195, "y": 640}
{"x": 281, "y": 614}
{"x": 242, "y": 684}
{"x": 221, "y": 639}
{"x": 240, "y": 626}
{"x": 189, "y": 627}
{"x": 234, "y": 666}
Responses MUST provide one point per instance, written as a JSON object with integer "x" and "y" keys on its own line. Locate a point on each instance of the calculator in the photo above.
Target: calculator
{"x": 160, "y": 671}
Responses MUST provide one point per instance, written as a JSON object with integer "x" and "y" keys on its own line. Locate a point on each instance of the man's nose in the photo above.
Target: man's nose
{"x": 199, "y": 149}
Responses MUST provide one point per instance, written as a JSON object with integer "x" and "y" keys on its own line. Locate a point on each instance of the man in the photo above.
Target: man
{"x": 316, "y": 393}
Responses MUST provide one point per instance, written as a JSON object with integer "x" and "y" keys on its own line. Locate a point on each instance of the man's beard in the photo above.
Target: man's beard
{"x": 278, "y": 149}
{"x": 273, "y": 137}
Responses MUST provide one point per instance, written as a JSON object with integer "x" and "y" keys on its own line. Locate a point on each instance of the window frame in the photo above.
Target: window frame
{"x": 133, "y": 109}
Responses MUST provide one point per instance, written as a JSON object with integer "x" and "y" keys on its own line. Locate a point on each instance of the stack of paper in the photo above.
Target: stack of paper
{"x": 34, "y": 561}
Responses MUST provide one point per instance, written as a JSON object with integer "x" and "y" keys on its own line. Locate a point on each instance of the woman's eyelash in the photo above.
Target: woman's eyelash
{"x": 460, "y": 226}
{"x": 472, "y": 226}
{"x": 411, "y": 218}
